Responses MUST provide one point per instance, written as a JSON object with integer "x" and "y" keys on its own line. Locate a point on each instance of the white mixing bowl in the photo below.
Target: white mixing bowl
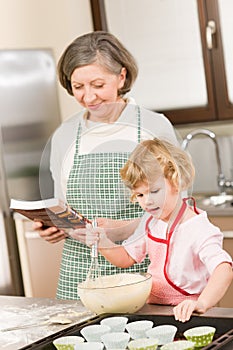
{"x": 119, "y": 293}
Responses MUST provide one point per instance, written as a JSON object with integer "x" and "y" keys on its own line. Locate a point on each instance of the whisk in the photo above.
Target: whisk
{"x": 94, "y": 270}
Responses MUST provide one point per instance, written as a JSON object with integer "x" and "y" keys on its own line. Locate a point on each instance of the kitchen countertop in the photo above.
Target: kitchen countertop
{"x": 16, "y": 311}
{"x": 21, "y": 310}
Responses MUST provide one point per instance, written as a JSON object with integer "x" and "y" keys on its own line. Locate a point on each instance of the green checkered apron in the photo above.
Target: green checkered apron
{"x": 94, "y": 188}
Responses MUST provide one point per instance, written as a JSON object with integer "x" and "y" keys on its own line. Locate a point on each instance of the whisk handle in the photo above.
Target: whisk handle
{"x": 94, "y": 247}
{"x": 94, "y": 250}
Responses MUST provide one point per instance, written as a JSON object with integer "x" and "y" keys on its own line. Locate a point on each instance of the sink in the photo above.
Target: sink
{"x": 221, "y": 204}
{"x": 217, "y": 200}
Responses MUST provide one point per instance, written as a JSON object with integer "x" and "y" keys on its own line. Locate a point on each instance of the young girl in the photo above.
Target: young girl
{"x": 187, "y": 263}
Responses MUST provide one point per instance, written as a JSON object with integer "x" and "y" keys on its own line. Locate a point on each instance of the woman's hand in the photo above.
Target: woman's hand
{"x": 183, "y": 311}
{"x": 51, "y": 234}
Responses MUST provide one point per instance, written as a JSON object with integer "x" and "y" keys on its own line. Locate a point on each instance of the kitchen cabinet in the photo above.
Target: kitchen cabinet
{"x": 184, "y": 49}
{"x": 225, "y": 223}
{"x": 39, "y": 260}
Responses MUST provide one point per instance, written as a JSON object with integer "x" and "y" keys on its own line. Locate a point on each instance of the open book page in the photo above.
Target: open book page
{"x": 51, "y": 212}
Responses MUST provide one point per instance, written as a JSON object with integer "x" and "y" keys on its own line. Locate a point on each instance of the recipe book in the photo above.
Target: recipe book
{"x": 51, "y": 212}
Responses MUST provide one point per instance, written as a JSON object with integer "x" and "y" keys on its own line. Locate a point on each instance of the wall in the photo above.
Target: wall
{"x": 45, "y": 24}
{"x": 54, "y": 24}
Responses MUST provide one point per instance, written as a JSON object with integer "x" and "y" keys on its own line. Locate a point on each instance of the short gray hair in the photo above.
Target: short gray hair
{"x": 101, "y": 47}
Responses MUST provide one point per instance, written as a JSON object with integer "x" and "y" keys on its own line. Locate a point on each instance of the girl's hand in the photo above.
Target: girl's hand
{"x": 184, "y": 310}
{"x": 90, "y": 235}
{"x": 87, "y": 235}
{"x": 51, "y": 234}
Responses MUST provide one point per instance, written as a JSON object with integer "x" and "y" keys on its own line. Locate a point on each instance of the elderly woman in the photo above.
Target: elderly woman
{"x": 89, "y": 148}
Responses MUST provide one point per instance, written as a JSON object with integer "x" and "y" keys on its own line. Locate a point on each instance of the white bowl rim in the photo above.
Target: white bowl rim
{"x": 147, "y": 276}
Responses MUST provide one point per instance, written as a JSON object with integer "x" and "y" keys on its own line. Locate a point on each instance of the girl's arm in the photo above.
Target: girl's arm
{"x": 118, "y": 230}
{"x": 116, "y": 254}
{"x": 215, "y": 289}
{"x": 113, "y": 252}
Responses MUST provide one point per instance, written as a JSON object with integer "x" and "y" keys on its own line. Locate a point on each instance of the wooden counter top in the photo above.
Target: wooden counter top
{"x": 21, "y": 310}
{"x": 23, "y": 302}
{"x": 150, "y": 309}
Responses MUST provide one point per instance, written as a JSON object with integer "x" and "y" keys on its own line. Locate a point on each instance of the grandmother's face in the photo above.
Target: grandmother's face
{"x": 97, "y": 90}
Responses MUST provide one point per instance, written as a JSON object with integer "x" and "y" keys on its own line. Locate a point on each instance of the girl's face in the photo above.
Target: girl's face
{"x": 158, "y": 198}
{"x": 97, "y": 90}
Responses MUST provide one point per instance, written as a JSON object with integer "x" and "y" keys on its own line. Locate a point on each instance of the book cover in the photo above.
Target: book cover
{"x": 51, "y": 212}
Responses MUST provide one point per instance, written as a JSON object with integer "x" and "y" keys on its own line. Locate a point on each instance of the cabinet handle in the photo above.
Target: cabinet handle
{"x": 210, "y": 30}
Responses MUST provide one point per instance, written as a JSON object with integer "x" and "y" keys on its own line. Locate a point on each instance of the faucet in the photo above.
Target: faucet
{"x": 222, "y": 183}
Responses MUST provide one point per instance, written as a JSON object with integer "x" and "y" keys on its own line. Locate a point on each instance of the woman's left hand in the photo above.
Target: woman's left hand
{"x": 183, "y": 311}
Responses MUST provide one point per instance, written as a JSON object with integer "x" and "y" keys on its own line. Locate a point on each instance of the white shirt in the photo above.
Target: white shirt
{"x": 101, "y": 137}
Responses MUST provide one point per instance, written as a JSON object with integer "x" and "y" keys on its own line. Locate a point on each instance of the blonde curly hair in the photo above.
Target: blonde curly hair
{"x": 153, "y": 158}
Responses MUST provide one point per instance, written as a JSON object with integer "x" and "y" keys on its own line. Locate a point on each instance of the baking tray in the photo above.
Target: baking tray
{"x": 223, "y": 337}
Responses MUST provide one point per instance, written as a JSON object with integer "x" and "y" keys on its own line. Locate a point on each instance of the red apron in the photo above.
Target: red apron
{"x": 164, "y": 291}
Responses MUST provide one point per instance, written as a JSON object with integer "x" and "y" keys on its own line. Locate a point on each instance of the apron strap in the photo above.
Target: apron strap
{"x": 194, "y": 204}
{"x": 179, "y": 216}
{"x": 181, "y": 212}
{"x": 77, "y": 144}
{"x": 139, "y": 123}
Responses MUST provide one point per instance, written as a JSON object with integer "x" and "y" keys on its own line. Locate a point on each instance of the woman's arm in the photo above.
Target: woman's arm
{"x": 215, "y": 289}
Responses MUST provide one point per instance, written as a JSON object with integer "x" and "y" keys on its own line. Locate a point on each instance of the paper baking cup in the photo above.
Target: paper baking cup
{"x": 179, "y": 345}
{"x": 201, "y": 336}
{"x": 143, "y": 344}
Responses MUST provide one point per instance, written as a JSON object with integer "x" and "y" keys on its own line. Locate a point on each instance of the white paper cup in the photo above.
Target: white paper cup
{"x": 179, "y": 345}
{"x": 68, "y": 342}
{"x": 143, "y": 344}
{"x": 164, "y": 333}
{"x": 90, "y": 346}
{"x": 201, "y": 336}
{"x": 116, "y": 323}
{"x": 115, "y": 340}
{"x": 137, "y": 329}
{"x": 93, "y": 333}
